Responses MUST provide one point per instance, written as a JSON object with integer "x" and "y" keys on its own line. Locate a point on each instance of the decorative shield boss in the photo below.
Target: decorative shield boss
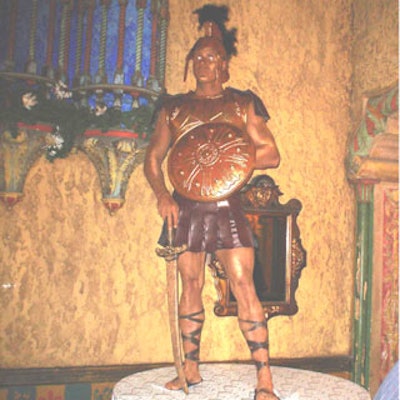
{"x": 211, "y": 161}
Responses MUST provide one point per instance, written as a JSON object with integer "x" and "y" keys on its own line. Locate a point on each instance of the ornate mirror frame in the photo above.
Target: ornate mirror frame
{"x": 279, "y": 255}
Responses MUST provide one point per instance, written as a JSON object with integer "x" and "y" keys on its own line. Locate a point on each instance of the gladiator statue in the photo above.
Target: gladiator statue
{"x": 214, "y": 137}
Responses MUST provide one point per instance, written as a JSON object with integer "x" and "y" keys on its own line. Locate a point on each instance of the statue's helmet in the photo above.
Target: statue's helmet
{"x": 212, "y": 19}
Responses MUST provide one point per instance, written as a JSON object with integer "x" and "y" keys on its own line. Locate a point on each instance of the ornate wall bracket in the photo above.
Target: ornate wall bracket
{"x": 115, "y": 154}
{"x": 18, "y": 152}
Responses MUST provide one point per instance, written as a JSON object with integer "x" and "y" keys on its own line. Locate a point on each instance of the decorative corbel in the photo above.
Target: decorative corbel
{"x": 115, "y": 154}
{"x": 18, "y": 152}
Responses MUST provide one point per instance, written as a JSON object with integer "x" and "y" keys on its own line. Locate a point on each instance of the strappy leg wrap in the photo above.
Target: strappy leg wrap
{"x": 193, "y": 337}
{"x": 255, "y": 345}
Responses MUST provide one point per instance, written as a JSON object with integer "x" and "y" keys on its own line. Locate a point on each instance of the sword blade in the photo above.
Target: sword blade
{"x": 176, "y": 339}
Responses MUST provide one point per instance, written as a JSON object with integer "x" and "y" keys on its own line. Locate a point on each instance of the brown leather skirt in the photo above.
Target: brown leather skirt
{"x": 210, "y": 226}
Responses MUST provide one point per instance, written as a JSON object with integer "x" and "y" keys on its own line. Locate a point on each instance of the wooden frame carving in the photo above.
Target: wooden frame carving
{"x": 279, "y": 255}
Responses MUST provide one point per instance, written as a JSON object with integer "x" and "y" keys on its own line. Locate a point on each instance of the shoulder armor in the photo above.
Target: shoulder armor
{"x": 259, "y": 106}
{"x": 166, "y": 101}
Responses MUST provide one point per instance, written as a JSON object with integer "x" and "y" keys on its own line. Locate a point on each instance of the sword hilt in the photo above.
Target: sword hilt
{"x": 170, "y": 252}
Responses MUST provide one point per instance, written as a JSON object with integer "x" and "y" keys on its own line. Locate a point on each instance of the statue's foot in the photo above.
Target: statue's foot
{"x": 175, "y": 384}
{"x": 265, "y": 394}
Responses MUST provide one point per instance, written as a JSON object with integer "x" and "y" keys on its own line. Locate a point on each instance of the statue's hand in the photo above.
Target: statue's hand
{"x": 168, "y": 209}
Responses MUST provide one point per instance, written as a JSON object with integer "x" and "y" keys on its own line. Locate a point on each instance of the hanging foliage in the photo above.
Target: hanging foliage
{"x": 32, "y": 105}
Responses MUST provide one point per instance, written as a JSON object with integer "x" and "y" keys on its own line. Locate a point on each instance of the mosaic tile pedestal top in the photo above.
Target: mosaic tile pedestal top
{"x": 236, "y": 382}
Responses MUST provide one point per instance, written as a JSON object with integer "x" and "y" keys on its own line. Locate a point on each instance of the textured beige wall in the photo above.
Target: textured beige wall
{"x": 88, "y": 289}
{"x": 376, "y": 49}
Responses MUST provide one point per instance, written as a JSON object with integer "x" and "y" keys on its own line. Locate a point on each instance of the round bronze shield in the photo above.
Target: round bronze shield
{"x": 211, "y": 161}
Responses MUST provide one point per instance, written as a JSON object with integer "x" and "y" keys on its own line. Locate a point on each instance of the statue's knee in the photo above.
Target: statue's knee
{"x": 192, "y": 285}
{"x": 242, "y": 283}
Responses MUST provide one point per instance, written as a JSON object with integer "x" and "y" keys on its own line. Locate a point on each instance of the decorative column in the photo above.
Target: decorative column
{"x": 152, "y": 82}
{"x": 31, "y": 66}
{"x": 48, "y": 69}
{"x": 137, "y": 79}
{"x": 63, "y": 53}
{"x": 119, "y": 77}
{"x": 100, "y": 77}
{"x": 79, "y": 42}
{"x": 10, "y": 63}
{"x": 362, "y": 281}
{"x": 85, "y": 78}
{"x": 372, "y": 167}
{"x": 164, "y": 19}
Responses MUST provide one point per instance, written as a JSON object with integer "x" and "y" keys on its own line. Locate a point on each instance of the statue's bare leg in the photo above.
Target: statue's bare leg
{"x": 239, "y": 264}
{"x": 191, "y": 315}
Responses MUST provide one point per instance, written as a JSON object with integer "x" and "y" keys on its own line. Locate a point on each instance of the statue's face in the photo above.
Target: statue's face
{"x": 208, "y": 65}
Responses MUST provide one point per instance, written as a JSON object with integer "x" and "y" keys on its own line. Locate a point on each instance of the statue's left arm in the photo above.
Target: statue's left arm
{"x": 267, "y": 153}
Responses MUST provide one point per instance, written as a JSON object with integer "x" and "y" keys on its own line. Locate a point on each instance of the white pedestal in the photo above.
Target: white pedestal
{"x": 224, "y": 381}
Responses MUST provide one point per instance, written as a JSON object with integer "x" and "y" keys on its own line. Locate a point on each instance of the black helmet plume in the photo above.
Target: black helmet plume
{"x": 219, "y": 15}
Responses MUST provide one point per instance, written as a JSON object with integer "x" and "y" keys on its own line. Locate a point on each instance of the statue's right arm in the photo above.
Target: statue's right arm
{"x": 156, "y": 152}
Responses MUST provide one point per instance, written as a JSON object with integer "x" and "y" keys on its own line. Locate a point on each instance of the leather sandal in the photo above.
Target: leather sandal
{"x": 266, "y": 391}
